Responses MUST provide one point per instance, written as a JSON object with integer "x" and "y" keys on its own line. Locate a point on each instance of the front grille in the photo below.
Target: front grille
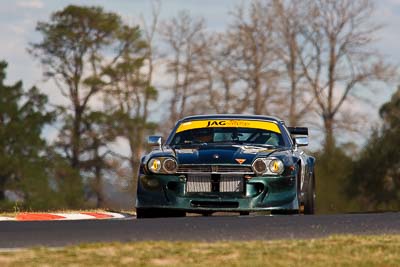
{"x": 229, "y": 183}
{"x": 198, "y": 183}
{"x": 215, "y": 169}
{"x": 194, "y": 168}
{"x": 201, "y": 183}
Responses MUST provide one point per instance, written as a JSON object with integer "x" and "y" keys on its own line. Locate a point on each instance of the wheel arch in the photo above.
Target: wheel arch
{"x": 305, "y": 168}
{"x": 310, "y": 171}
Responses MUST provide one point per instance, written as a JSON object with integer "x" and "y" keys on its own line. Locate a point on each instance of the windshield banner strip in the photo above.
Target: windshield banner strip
{"x": 264, "y": 125}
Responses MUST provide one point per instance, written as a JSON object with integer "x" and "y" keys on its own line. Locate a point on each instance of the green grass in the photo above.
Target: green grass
{"x": 349, "y": 251}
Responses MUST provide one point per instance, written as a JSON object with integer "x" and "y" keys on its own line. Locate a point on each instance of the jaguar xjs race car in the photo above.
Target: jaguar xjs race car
{"x": 229, "y": 163}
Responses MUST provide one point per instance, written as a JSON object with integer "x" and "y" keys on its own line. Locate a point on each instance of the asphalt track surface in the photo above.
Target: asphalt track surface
{"x": 214, "y": 228}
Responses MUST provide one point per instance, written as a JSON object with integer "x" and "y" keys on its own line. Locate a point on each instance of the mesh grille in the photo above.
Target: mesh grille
{"x": 202, "y": 183}
{"x": 198, "y": 183}
{"x": 229, "y": 183}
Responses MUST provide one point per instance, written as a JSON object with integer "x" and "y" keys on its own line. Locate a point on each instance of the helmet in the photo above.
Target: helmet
{"x": 203, "y": 135}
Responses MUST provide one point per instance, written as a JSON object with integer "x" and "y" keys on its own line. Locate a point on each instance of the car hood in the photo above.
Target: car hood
{"x": 221, "y": 154}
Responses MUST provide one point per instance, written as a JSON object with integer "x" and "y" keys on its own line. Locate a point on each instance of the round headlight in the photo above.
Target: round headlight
{"x": 276, "y": 166}
{"x": 154, "y": 165}
{"x": 260, "y": 166}
{"x": 170, "y": 165}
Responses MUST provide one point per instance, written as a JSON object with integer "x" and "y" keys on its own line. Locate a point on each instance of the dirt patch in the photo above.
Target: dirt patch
{"x": 165, "y": 262}
{"x": 229, "y": 257}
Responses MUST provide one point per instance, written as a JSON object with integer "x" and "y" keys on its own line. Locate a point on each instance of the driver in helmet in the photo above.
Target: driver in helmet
{"x": 203, "y": 136}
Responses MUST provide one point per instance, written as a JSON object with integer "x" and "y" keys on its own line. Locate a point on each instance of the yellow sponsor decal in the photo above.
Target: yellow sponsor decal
{"x": 264, "y": 125}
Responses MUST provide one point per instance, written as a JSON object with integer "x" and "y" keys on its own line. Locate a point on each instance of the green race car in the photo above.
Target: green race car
{"x": 229, "y": 163}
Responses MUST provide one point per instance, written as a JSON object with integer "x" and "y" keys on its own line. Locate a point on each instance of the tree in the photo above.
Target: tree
{"x": 220, "y": 84}
{"x": 375, "y": 178}
{"x": 338, "y": 58}
{"x": 78, "y": 44}
{"x": 255, "y": 66}
{"x": 81, "y": 46}
{"x": 96, "y": 136}
{"x": 129, "y": 94}
{"x": 331, "y": 170}
{"x": 289, "y": 19}
{"x": 23, "y": 114}
{"x": 256, "y": 62}
{"x": 185, "y": 36}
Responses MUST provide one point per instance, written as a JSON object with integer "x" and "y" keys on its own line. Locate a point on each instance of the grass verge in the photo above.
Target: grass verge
{"x": 344, "y": 250}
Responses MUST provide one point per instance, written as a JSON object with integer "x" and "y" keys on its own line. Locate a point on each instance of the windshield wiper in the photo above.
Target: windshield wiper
{"x": 191, "y": 144}
{"x": 261, "y": 145}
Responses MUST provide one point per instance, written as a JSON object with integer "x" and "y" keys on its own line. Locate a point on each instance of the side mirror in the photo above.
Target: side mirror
{"x": 301, "y": 141}
{"x": 155, "y": 140}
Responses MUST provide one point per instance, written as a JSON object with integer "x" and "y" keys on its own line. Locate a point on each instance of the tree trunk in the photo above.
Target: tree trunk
{"x": 2, "y": 189}
{"x": 98, "y": 167}
{"x": 136, "y": 146}
{"x": 329, "y": 135}
{"x": 291, "y": 66}
{"x": 76, "y": 135}
{"x": 292, "y": 108}
{"x": 99, "y": 188}
{"x": 258, "y": 105}
{"x": 136, "y": 153}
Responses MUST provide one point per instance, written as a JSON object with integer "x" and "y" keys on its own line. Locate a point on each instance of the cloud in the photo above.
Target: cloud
{"x": 34, "y": 4}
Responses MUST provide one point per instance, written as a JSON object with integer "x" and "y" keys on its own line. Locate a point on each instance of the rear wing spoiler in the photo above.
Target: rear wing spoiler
{"x": 298, "y": 130}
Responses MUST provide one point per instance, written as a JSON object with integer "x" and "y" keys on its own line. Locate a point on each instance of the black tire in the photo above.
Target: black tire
{"x": 309, "y": 200}
{"x": 158, "y": 213}
{"x": 176, "y": 214}
{"x": 143, "y": 213}
{"x": 244, "y": 213}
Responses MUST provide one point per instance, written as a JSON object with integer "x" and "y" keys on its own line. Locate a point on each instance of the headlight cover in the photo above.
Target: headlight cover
{"x": 170, "y": 165}
{"x": 276, "y": 166}
{"x": 165, "y": 165}
{"x": 260, "y": 166}
{"x": 154, "y": 165}
{"x": 268, "y": 166}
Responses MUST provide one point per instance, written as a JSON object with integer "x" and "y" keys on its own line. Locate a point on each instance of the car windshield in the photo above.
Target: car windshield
{"x": 247, "y": 136}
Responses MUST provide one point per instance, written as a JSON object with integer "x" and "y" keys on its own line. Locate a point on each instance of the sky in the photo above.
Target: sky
{"x": 18, "y": 19}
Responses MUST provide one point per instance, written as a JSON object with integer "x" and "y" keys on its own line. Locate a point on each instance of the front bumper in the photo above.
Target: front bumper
{"x": 259, "y": 194}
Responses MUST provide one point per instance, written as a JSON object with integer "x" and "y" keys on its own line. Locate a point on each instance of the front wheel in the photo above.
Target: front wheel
{"x": 309, "y": 201}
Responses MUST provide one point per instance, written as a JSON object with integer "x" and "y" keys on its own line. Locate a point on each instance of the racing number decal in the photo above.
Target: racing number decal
{"x": 265, "y": 125}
